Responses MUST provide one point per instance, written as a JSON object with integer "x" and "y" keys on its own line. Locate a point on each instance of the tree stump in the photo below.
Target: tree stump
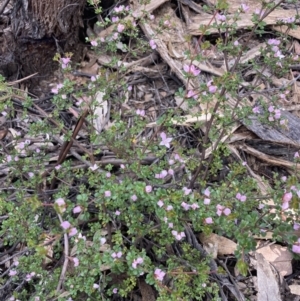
{"x": 32, "y": 32}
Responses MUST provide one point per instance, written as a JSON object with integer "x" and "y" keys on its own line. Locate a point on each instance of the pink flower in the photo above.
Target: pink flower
{"x": 273, "y": 42}
{"x": 119, "y": 9}
{"x": 244, "y": 8}
{"x": 212, "y": 89}
{"x": 116, "y": 255}
{"x": 287, "y": 196}
{"x": 296, "y": 226}
{"x": 64, "y": 62}
{"x": 191, "y": 69}
{"x": 185, "y": 206}
{"x": 296, "y": 249}
{"x": 255, "y": 110}
{"x": 108, "y": 174}
{"x": 195, "y": 206}
{"x": 140, "y": 112}
{"x": 115, "y": 290}
{"x": 226, "y": 211}
{"x": 94, "y": 43}
{"x": 169, "y": 208}
{"x": 192, "y": 93}
{"x": 76, "y": 261}
{"x": 236, "y": 43}
{"x": 171, "y": 162}
{"x": 129, "y": 88}
{"x": 107, "y": 193}
{"x": 95, "y": 286}
{"x": 220, "y": 209}
{"x": 152, "y": 44}
{"x": 134, "y": 198}
{"x": 120, "y": 27}
{"x": 160, "y": 203}
{"x": 94, "y": 167}
{"x": 186, "y": 190}
{"x": 206, "y": 201}
{"x": 72, "y": 232}
{"x": 60, "y": 202}
{"x": 167, "y": 23}
{"x": 76, "y": 209}
{"x": 137, "y": 261}
{"x": 12, "y": 272}
{"x": 221, "y": 18}
{"x": 159, "y": 274}
{"x": 209, "y": 220}
{"x": 151, "y": 17}
{"x": 148, "y": 189}
{"x": 177, "y": 235}
{"x": 117, "y": 212}
{"x": 58, "y": 167}
{"x": 164, "y": 140}
{"x": 171, "y": 172}
{"x": 296, "y": 155}
{"x": 65, "y": 225}
{"x": 170, "y": 225}
{"x": 241, "y": 197}
{"x": 114, "y": 19}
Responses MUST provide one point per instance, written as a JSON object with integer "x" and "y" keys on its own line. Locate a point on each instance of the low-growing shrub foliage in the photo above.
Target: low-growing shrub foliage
{"x": 92, "y": 229}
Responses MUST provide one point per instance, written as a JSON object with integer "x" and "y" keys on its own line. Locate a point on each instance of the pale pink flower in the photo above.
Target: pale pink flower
{"x": 195, "y": 206}
{"x": 120, "y": 27}
{"x": 160, "y": 203}
{"x": 76, "y": 209}
{"x": 165, "y": 141}
{"x": 12, "y": 272}
{"x": 185, "y": 206}
{"x": 116, "y": 255}
{"x": 171, "y": 162}
{"x": 114, "y": 19}
{"x": 170, "y": 225}
{"x": 212, "y": 89}
{"x": 95, "y": 286}
{"x": 137, "y": 261}
{"x": 159, "y": 274}
{"x": 236, "y": 43}
{"x": 209, "y": 220}
{"x": 117, "y": 212}
{"x": 169, "y": 208}
{"x": 107, "y": 193}
{"x": 186, "y": 190}
{"x": 206, "y": 201}
{"x": 94, "y": 167}
{"x": 129, "y": 88}
{"x": 171, "y": 172}
{"x": 244, "y": 7}
{"x": 151, "y": 17}
{"x": 192, "y": 93}
{"x": 167, "y": 23}
{"x": 191, "y": 69}
{"x": 76, "y": 261}
{"x": 152, "y": 44}
{"x": 60, "y": 202}
{"x": 115, "y": 290}
{"x": 134, "y": 198}
{"x": 140, "y": 112}
{"x": 287, "y": 196}
{"x": 58, "y": 167}
{"x": 296, "y": 249}
{"x": 148, "y": 188}
{"x": 241, "y": 197}
{"x": 94, "y": 43}
{"x": 296, "y": 155}
{"x": 226, "y": 211}
{"x": 65, "y": 225}
{"x": 296, "y": 226}
{"x": 73, "y": 231}
{"x": 221, "y": 18}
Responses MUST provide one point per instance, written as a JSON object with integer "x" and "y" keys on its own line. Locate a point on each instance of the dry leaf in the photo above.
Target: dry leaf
{"x": 268, "y": 286}
{"x": 221, "y": 244}
{"x": 280, "y": 257}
